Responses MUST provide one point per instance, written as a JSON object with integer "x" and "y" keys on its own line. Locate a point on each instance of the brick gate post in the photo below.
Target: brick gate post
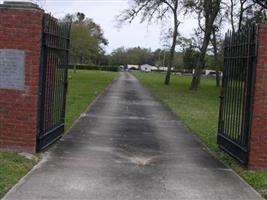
{"x": 20, "y": 47}
{"x": 258, "y": 137}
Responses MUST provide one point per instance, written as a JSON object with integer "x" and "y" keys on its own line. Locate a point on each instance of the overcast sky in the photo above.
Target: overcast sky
{"x": 104, "y": 12}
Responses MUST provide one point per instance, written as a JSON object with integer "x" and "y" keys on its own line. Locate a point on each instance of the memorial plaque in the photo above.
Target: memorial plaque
{"x": 12, "y": 63}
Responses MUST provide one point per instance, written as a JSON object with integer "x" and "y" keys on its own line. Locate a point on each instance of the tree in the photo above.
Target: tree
{"x": 81, "y": 45}
{"x": 87, "y": 40}
{"x": 236, "y": 14}
{"x": 245, "y": 12}
{"x": 156, "y": 9}
{"x": 215, "y": 41}
{"x": 134, "y": 56}
{"x": 118, "y": 57}
{"x": 262, "y": 3}
{"x": 215, "y": 51}
{"x": 185, "y": 43}
{"x": 139, "y": 56}
{"x": 190, "y": 52}
{"x": 190, "y": 58}
{"x": 158, "y": 58}
{"x": 257, "y": 16}
{"x": 178, "y": 61}
{"x": 80, "y": 17}
{"x": 208, "y": 10}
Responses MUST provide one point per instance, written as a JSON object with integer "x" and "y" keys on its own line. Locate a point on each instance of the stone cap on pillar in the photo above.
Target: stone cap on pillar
{"x": 19, "y": 4}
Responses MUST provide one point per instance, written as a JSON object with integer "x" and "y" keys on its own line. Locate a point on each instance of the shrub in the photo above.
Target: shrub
{"x": 90, "y": 67}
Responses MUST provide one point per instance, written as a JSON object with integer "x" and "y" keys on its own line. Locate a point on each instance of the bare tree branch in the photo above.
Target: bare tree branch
{"x": 155, "y": 9}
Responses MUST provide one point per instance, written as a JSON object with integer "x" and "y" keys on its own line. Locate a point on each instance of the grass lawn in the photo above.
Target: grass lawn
{"x": 199, "y": 110}
{"x": 12, "y": 168}
{"x": 84, "y": 86}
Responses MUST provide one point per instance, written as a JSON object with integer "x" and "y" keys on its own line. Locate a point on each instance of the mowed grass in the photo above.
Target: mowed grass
{"x": 199, "y": 110}
{"x": 84, "y": 86}
{"x": 12, "y": 168}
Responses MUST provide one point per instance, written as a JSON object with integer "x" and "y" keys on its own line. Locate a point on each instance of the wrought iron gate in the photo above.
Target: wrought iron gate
{"x": 53, "y": 80}
{"x": 240, "y": 53}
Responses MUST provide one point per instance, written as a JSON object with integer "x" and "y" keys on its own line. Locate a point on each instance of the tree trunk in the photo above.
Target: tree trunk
{"x": 175, "y": 34}
{"x": 164, "y": 59}
{"x": 241, "y": 15}
{"x": 201, "y": 61}
{"x": 218, "y": 81}
{"x": 232, "y": 15}
{"x": 198, "y": 71}
{"x": 210, "y": 16}
{"x": 215, "y": 50}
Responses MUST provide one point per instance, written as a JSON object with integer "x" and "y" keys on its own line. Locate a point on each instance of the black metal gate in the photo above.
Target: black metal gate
{"x": 53, "y": 80}
{"x": 240, "y": 53}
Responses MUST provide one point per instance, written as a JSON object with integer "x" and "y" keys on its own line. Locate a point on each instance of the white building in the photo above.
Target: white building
{"x": 153, "y": 68}
{"x": 211, "y": 72}
{"x": 146, "y": 68}
{"x": 208, "y": 72}
{"x": 163, "y": 68}
{"x": 133, "y": 67}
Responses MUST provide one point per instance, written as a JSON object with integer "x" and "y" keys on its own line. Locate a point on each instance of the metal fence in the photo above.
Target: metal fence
{"x": 240, "y": 53}
{"x": 53, "y": 85}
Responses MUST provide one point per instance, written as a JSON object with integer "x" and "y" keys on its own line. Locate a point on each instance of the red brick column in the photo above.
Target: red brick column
{"x": 258, "y": 138}
{"x": 21, "y": 28}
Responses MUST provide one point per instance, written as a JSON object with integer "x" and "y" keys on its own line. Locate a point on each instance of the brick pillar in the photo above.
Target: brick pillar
{"x": 20, "y": 40}
{"x": 258, "y": 138}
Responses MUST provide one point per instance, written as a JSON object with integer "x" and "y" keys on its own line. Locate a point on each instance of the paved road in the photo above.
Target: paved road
{"x": 130, "y": 146}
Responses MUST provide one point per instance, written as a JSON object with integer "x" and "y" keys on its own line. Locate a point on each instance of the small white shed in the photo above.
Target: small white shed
{"x": 146, "y": 68}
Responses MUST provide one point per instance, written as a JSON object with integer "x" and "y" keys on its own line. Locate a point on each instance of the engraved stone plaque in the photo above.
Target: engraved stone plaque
{"x": 12, "y": 62}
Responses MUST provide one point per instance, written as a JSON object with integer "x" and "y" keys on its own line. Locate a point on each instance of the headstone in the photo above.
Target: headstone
{"x": 12, "y": 63}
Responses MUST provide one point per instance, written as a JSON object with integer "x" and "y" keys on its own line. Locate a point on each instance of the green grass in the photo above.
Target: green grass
{"x": 12, "y": 168}
{"x": 84, "y": 86}
{"x": 199, "y": 110}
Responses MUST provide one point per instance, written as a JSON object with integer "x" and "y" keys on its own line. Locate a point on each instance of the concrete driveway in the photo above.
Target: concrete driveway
{"x": 130, "y": 146}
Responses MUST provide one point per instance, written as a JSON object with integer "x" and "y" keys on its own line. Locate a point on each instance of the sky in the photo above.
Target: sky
{"x": 104, "y": 12}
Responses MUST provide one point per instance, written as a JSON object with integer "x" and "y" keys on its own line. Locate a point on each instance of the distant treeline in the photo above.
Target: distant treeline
{"x": 87, "y": 44}
{"x": 184, "y": 60}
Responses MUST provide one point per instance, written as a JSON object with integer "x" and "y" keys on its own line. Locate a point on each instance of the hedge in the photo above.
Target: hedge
{"x": 101, "y": 68}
